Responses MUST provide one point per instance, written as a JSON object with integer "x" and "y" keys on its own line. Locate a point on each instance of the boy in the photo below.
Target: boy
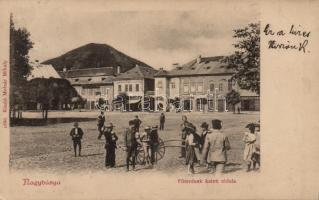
{"x": 76, "y": 134}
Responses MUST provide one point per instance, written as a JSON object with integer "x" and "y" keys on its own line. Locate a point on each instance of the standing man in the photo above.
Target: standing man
{"x": 110, "y": 144}
{"x": 130, "y": 143}
{"x": 137, "y": 123}
{"x": 216, "y": 145}
{"x": 162, "y": 121}
{"x": 185, "y": 127}
{"x": 145, "y": 139}
{"x": 100, "y": 123}
{"x": 76, "y": 134}
{"x": 154, "y": 142}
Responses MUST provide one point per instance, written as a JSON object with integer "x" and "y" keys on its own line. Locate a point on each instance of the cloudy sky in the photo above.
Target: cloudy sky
{"x": 158, "y": 37}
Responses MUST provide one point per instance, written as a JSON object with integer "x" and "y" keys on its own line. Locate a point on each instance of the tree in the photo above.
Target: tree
{"x": 246, "y": 60}
{"x": 52, "y": 93}
{"x": 20, "y": 44}
{"x": 233, "y": 98}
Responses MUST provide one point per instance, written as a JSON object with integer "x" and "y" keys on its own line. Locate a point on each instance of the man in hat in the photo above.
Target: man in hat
{"x": 154, "y": 142}
{"x": 110, "y": 144}
{"x": 216, "y": 146}
{"x": 145, "y": 139}
{"x": 137, "y": 123}
{"x": 76, "y": 134}
{"x": 131, "y": 138}
{"x": 100, "y": 124}
{"x": 185, "y": 127}
{"x": 162, "y": 121}
{"x": 205, "y": 130}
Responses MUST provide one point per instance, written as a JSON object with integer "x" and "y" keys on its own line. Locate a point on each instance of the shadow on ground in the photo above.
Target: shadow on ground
{"x": 43, "y": 122}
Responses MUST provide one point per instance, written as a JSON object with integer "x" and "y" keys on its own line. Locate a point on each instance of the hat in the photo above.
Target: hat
{"x": 217, "y": 124}
{"x": 147, "y": 128}
{"x": 204, "y": 125}
{"x": 75, "y": 124}
{"x": 110, "y": 125}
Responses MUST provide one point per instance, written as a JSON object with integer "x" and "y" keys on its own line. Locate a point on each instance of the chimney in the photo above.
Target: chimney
{"x": 176, "y": 66}
{"x": 199, "y": 59}
{"x": 118, "y": 69}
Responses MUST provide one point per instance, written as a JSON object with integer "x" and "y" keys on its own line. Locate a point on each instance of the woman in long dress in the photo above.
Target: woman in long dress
{"x": 250, "y": 148}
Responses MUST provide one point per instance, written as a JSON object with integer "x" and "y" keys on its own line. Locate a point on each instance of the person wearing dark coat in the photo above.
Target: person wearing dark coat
{"x": 154, "y": 143}
{"x": 77, "y": 135}
{"x": 131, "y": 138}
{"x": 110, "y": 145}
{"x": 100, "y": 124}
{"x": 137, "y": 123}
{"x": 162, "y": 121}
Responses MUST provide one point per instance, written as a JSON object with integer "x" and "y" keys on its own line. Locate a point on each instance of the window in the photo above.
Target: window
{"x": 126, "y": 87}
{"x": 200, "y": 87}
{"x": 103, "y": 91}
{"x": 173, "y": 85}
{"x": 130, "y": 87}
{"x": 159, "y": 84}
{"x": 186, "y": 88}
{"x": 212, "y": 87}
{"x": 230, "y": 85}
{"x": 119, "y": 88}
{"x": 137, "y": 87}
{"x": 193, "y": 87}
{"x": 220, "y": 87}
{"x": 90, "y": 92}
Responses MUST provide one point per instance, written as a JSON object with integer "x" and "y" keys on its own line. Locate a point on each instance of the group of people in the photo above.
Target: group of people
{"x": 133, "y": 137}
{"x": 209, "y": 147}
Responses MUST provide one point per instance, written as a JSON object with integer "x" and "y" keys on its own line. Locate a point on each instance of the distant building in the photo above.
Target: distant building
{"x": 92, "y": 84}
{"x": 201, "y": 84}
{"x": 136, "y": 83}
{"x": 42, "y": 71}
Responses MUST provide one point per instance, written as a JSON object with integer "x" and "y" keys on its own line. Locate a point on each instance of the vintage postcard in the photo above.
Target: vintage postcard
{"x": 159, "y": 100}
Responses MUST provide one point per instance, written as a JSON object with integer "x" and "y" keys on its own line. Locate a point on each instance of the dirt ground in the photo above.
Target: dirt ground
{"x": 47, "y": 146}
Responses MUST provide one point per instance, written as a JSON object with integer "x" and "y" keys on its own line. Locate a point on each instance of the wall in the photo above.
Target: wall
{"x": 133, "y": 84}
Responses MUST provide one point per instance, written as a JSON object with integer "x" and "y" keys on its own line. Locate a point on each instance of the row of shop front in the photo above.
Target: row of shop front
{"x": 178, "y": 104}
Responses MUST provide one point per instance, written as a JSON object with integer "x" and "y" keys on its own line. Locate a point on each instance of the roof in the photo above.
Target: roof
{"x": 43, "y": 71}
{"x": 90, "y": 72}
{"x": 98, "y": 80}
{"x": 138, "y": 72}
{"x": 200, "y": 66}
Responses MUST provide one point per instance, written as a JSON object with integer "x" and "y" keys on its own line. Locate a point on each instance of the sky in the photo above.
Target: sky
{"x": 158, "y": 37}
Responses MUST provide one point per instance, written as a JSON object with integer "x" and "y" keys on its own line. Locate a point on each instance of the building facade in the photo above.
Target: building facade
{"x": 136, "y": 83}
{"x": 92, "y": 84}
{"x": 202, "y": 84}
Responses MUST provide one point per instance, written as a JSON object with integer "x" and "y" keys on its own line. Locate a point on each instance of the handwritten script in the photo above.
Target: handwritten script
{"x": 294, "y": 38}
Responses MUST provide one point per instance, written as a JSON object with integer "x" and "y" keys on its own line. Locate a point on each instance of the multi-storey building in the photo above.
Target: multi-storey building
{"x": 92, "y": 84}
{"x": 198, "y": 85}
{"x": 135, "y": 83}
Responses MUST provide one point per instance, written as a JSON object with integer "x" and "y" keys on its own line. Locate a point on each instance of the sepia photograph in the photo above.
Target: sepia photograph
{"x": 158, "y": 100}
{"x": 126, "y": 91}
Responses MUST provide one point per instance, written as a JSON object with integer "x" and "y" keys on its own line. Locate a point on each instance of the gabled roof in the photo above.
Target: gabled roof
{"x": 42, "y": 71}
{"x": 138, "y": 72}
{"x": 104, "y": 71}
{"x": 199, "y": 66}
